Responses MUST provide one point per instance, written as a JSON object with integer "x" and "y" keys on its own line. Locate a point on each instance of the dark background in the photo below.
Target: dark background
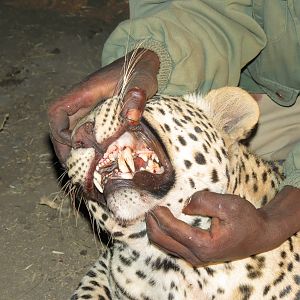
{"x": 45, "y": 48}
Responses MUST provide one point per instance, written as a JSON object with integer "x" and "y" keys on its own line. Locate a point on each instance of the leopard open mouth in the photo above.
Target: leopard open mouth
{"x": 134, "y": 159}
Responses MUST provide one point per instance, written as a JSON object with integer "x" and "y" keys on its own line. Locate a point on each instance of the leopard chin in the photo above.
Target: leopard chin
{"x": 128, "y": 170}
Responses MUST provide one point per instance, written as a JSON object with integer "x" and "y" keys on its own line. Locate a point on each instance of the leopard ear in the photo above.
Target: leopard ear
{"x": 233, "y": 110}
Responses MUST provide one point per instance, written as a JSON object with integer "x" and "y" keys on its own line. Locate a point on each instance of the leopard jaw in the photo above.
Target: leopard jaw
{"x": 123, "y": 158}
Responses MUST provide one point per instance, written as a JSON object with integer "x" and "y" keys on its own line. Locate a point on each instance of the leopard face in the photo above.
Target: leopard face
{"x": 181, "y": 146}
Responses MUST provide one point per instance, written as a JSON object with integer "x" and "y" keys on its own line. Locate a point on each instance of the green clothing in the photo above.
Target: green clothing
{"x": 206, "y": 44}
{"x": 292, "y": 168}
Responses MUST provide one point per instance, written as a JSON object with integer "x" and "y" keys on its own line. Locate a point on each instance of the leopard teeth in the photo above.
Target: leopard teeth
{"x": 98, "y": 181}
{"x": 122, "y": 164}
{"x": 155, "y": 157}
{"x": 127, "y": 154}
{"x": 98, "y": 186}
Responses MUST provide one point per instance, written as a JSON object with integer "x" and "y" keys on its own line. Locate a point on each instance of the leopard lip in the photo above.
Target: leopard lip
{"x": 132, "y": 176}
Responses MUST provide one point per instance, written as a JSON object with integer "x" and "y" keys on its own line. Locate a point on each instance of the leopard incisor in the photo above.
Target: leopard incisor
{"x": 183, "y": 145}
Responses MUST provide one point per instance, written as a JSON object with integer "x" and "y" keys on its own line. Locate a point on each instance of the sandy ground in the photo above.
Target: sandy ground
{"x": 44, "y": 253}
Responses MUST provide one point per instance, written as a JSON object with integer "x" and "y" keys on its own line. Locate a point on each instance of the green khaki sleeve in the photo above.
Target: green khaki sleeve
{"x": 292, "y": 168}
{"x": 201, "y": 44}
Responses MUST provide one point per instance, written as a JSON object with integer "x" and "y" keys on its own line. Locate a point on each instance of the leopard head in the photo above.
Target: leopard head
{"x": 181, "y": 146}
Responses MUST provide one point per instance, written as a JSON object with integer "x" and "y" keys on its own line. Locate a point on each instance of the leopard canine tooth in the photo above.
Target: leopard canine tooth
{"x": 155, "y": 157}
{"x": 127, "y": 154}
{"x": 122, "y": 164}
{"x": 98, "y": 181}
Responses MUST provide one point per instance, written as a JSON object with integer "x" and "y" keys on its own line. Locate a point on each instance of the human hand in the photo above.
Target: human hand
{"x": 237, "y": 230}
{"x": 65, "y": 111}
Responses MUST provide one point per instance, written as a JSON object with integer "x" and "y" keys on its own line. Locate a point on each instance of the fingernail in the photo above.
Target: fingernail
{"x": 133, "y": 115}
{"x": 152, "y": 215}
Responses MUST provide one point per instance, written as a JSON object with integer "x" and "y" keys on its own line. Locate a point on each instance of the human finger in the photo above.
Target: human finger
{"x": 167, "y": 243}
{"x": 210, "y": 204}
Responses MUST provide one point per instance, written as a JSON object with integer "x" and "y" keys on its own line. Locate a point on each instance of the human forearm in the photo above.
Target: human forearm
{"x": 282, "y": 216}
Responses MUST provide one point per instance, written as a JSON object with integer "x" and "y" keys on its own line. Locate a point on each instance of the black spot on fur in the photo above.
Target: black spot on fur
{"x": 182, "y": 140}
{"x": 192, "y": 183}
{"x": 95, "y": 283}
{"x": 91, "y": 274}
{"x": 224, "y": 152}
{"x": 193, "y": 137}
{"x": 187, "y": 163}
{"x": 104, "y": 217}
{"x": 86, "y": 296}
{"x": 210, "y": 271}
{"x": 246, "y": 155}
{"x": 205, "y": 126}
{"x": 170, "y": 296}
{"x": 140, "y": 274}
{"x": 152, "y": 282}
{"x": 297, "y": 279}
{"x": 264, "y": 200}
{"x": 165, "y": 265}
{"x": 167, "y": 127}
{"x": 200, "y": 284}
{"x": 214, "y": 176}
{"x": 162, "y": 111}
{"x": 246, "y": 178}
{"x": 266, "y": 290}
{"x": 218, "y": 156}
{"x": 279, "y": 278}
{"x": 272, "y": 184}
{"x": 255, "y": 187}
{"x": 197, "y": 129}
{"x": 125, "y": 260}
{"x": 177, "y": 122}
{"x": 199, "y": 158}
{"x": 93, "y": 208}
{"x": 290, "y": 267}
{"x": 102, "y": 264}
{"x": 264, "y": 177}
{"x": 138, "y": 235}
{"x": 118, "y": 234}
{"x": 187, "y": 118}
{"x": 208, "y": 136}
{"x": 87, "y": 288}
{"x": 246, "y": 291}
{"x": 285, "y": 291}
{"x": 107, "y": 292}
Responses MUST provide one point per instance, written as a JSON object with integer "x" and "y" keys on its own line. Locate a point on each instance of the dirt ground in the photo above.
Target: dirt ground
{"x": 44, "y": 253}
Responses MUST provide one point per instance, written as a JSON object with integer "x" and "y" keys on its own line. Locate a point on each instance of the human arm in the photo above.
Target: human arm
{"x": 238, "y": 229}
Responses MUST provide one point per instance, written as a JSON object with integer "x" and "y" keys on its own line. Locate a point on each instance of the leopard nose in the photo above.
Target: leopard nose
{"x": 84, "y": 136}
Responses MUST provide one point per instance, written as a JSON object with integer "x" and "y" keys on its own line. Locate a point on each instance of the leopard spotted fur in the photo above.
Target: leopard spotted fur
{"x": 201, "y": 138}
